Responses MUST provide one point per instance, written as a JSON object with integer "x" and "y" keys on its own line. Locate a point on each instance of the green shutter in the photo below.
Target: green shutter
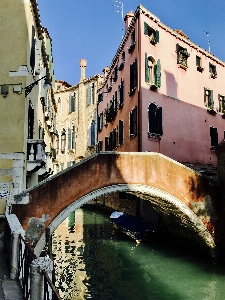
{"x": 156, "y": 39}
{"x": 69, "y": 138}
{"x": 89, "y": 95}
{"x": 70, "y": 103}
{"x": 157, "y": 71}
{"x": 145, "y": 28}
{"x": 211, "y": 102}
{"x": 146, "y": 68}
{"x": 74, "y": 103}
{"x": 135, "y": 120}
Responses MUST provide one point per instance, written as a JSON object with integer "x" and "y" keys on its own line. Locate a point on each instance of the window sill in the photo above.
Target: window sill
{"x": 121, "y": 105}
{"x": 131, "y": 48}
{"x": 121, "y": 66}
{"x": 131, "y": 93}
{"x": 182, "y": 67}
{"x": 132, "y": 136}
{"x": 211, "y": 111}
{"x": 154, "y": 135}
{"x": 213, "y": 76}
{"x": 200, "y": 69}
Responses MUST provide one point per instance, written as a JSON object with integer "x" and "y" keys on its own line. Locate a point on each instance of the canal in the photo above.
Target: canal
{"x": 91, "y": 262}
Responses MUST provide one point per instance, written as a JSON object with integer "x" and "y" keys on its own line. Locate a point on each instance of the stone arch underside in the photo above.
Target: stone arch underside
{"x": 163, "y": 202}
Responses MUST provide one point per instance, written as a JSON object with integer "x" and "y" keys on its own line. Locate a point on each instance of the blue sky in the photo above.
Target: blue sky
{"x": 90, "y": 29}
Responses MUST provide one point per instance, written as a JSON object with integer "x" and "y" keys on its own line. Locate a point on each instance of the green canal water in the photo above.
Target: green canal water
{"x": 92, "y": 262}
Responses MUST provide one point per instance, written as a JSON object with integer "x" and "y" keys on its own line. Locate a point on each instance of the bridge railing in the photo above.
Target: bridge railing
{"x": 32, "y": 272}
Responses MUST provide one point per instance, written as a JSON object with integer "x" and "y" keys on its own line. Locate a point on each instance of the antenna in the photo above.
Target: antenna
{"x": 207, "y": 33}
{"x": 120, "y": 7}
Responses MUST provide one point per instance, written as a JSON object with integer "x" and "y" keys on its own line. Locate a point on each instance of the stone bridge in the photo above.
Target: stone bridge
{"x": 187, "y": 200}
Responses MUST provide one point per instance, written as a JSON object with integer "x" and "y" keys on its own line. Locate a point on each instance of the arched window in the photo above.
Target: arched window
{"x": 154, "y": 120}
{"x": 152, "y": 71}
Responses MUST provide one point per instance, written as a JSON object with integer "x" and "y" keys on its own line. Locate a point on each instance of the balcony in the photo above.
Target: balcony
{"x": 35, "y": 155}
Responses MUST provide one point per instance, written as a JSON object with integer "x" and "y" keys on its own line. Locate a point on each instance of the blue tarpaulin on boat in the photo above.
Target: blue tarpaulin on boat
{"x": 130, "y": 223}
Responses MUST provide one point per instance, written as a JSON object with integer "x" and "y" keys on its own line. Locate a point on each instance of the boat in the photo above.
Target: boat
{"x": 131, "y": 226}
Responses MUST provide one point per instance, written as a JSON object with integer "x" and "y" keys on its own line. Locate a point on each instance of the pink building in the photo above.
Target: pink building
{"x": 162, "y": 93}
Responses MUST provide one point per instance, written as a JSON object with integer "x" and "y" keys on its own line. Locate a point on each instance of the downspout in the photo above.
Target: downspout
{"x": 138, "y": 87}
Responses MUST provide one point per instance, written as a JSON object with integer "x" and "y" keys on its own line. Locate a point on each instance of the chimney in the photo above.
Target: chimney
{"x": 106, "y": 71}
{"x": 127, "y": 19}
{"x": 83, "y": 64}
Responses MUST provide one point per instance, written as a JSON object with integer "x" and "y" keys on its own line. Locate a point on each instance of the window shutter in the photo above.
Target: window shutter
{"x": 178, "y": 50}
{"x": 146, "y": 68}
{"x": 93, "y": 133}
{"x": 156, "y": 40}
{"x": 131, "y": 124}
{"x": 214, "y": 136}
{"x": 131, "y": 77}
{"x": 135, "y": 72}
{"x": 122, "y": 92}
{"x": 151, "y": 118}
{"x": 69, "y": 138}
{"x": 89, "y": 95}
{"x": 121, "y": 132}
{"x": 135, "y": 120}
{"x": 54, "y": 123}
{"x": 70, "y": 103}
{"x": 157, "y": 71}
{"x": 74, "y": 102}
{"x": 32, "y": 51}
{"x": 159, "y": 121}
{"x": 211, "y": 102}
{"x": 106, "y": 143}
{"x": 145, "y": 28}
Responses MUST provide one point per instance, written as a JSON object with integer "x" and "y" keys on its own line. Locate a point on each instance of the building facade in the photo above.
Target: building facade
{"x": 163, "y": 93}
{"x": 26, "y": 95}
{"x": 76, "y": 119}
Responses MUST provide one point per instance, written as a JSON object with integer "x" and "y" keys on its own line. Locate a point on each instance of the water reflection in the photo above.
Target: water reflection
{"x": 92, "y": 263}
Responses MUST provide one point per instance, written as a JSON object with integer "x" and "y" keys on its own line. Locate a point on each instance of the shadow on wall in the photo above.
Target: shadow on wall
{"x": 171, "y": 85}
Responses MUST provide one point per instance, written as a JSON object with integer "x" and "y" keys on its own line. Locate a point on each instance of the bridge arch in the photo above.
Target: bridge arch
{"x": 175, "y": 191}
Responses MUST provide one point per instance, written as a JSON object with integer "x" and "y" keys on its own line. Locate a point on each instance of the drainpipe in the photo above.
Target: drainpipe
{"x": 138, "y": 87}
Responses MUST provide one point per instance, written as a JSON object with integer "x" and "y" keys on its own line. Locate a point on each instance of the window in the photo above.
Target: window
{"x": 182, "y": 56}
{"x": 30, "y": 120}
{"x": 111, "y": 110}
{"x": 115, "y": 73}
{"x": 93, "y": 93}
{"x": 100, "y": 97}
{"x": 91, "y": 134}
{"x": 63, "y": 141}
{"x": 208, "y": 98}
{"x": 154, "y": 121}
{"x": 113, "y": 139}
{"x": 100, "y": 121}
{"x": 121, "y": 132}
{"x": 212, "y": 71}
{"x": 69, "y": 139}
{"x": 99, "y": 146}
{"x": 106, "y": 143}
{"x": 133, "y": 77}
{"x": 152, "y": 72}
{"x": 32, "y": 51}
{"x": 151, "y": 33}
{"x": 121, "y": 93}
{"x": 122, "y": 61}
{"x": 213, "y": 136}
{"x": 73, "y": 142}
{"x": 199, "y": 63}
{"x": 133, "y": 122}
{"x": 221, "y": 104}
{"x": 88, "y": 94}
{"x": 133, "y": 42}
{"x": 72, "y": 102}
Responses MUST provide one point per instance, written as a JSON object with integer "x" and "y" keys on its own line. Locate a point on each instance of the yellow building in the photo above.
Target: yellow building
{"x": 76, "y": 119}
{"x": 27, "y": 105}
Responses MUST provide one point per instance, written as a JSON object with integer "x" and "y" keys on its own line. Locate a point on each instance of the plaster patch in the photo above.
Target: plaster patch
{"x": 204, "y": 210}
{"x": 35, "y": 228}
